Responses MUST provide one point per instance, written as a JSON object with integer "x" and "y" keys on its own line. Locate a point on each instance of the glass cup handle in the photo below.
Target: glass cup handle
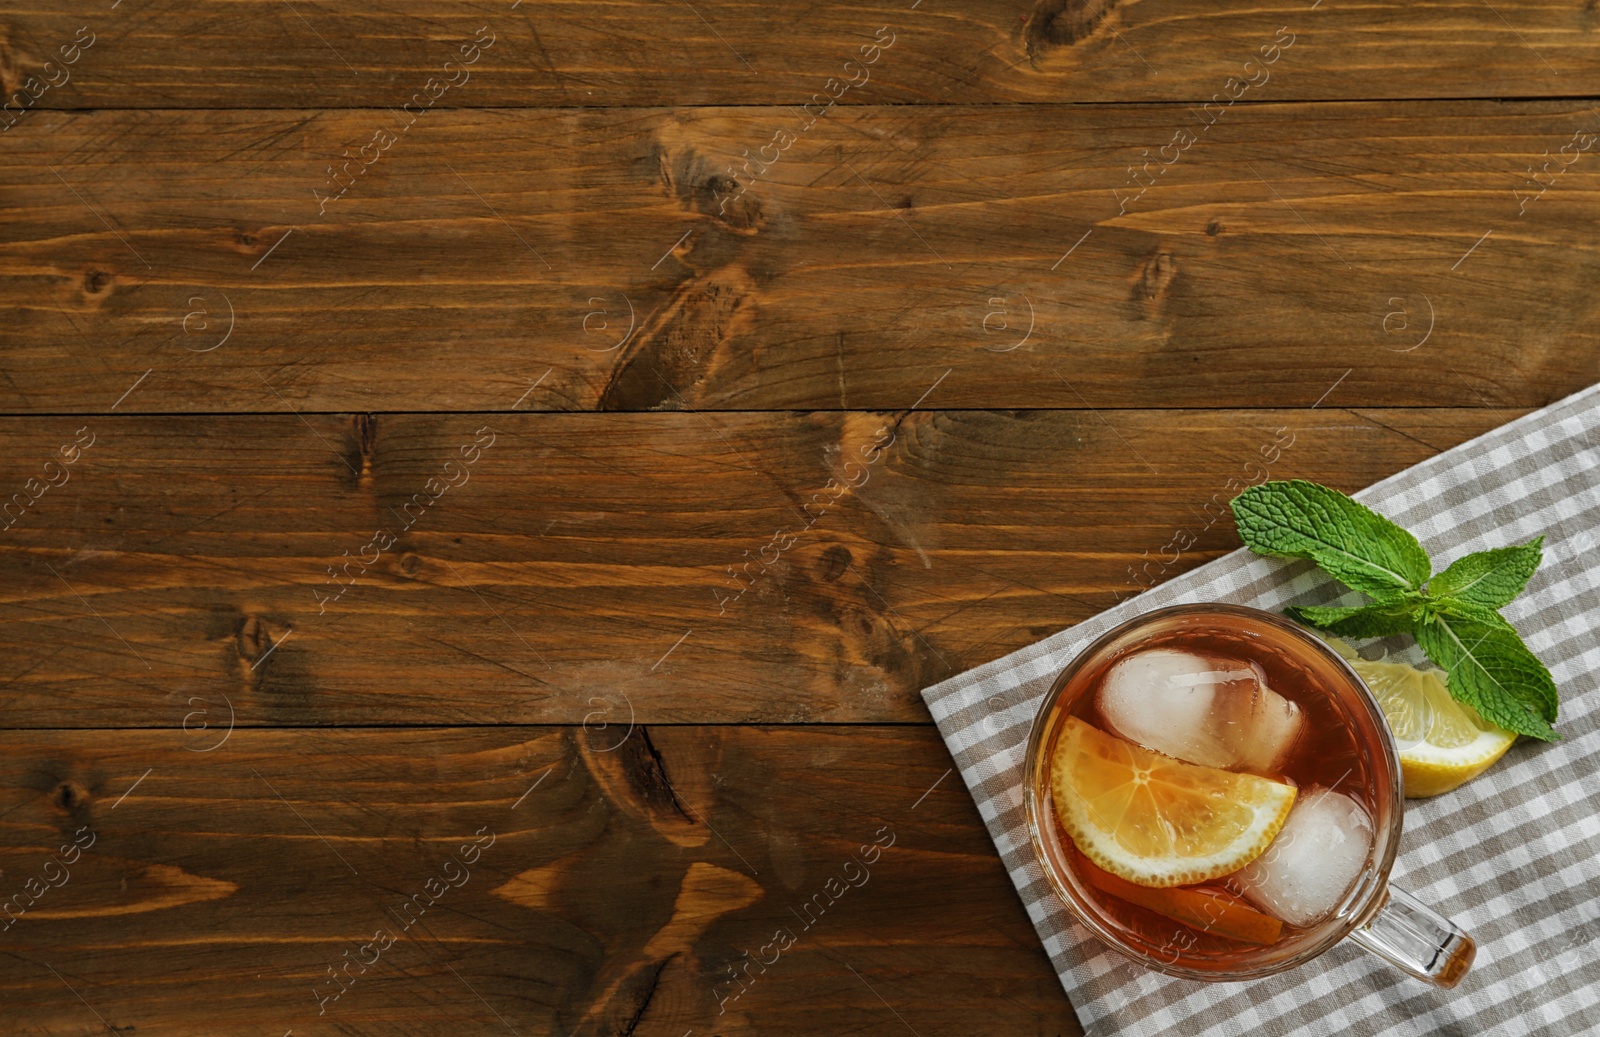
{"x": 1417, "y": 940}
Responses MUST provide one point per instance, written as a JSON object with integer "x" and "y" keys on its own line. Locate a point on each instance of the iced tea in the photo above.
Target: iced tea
{"x": 1214, "y": 702}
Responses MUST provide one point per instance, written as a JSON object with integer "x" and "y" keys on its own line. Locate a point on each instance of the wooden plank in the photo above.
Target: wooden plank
{"x": 614, "y": 887}
{"x": 391, "y": 569}
{"x": 265, "y": 54}
{"x": 608, "y": 253}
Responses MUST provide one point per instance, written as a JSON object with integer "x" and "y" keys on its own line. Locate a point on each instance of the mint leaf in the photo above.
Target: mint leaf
{"x": 1350, "y": 541}
{"x": 1489, "y": 578}
{"x": 1491, "y": 670}
{"x": 1378, "y": 620}
{"x": 1497, "y": 643}
{"x": 1467, "y": 610}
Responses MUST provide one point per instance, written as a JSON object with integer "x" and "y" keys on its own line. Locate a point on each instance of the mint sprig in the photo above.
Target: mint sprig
{"x": 1452, "y": 614}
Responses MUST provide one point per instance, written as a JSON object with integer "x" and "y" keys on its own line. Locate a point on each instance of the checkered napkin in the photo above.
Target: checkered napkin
{"x": 1513, "y": 856}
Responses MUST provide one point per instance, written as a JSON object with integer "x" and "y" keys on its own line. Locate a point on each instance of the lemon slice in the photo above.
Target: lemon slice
{"x": 1157, "y": 821}
{"x": 1443, "y": 743}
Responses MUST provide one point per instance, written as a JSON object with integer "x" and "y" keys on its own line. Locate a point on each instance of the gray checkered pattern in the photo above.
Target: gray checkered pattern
{"x": 1513, "y": 856}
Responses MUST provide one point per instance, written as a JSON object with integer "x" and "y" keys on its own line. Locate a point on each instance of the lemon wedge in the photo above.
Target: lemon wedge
{"x": 1157, "y": 821}
{"x": 1443, "y": 743}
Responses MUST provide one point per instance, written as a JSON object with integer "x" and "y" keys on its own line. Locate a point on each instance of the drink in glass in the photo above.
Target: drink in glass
{"x": 1213, "y": 791}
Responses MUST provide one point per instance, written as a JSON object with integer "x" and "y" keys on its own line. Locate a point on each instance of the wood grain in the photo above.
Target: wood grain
{"x": 658, "y": 568}
{"x": 610, "y": 255}
{"x": 615, "y": 897}
{"x": 266, "y": 54}
{"x": 398, "y": 454}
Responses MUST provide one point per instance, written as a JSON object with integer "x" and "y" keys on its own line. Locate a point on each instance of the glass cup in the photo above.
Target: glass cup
{"x": 1375, "y": 915}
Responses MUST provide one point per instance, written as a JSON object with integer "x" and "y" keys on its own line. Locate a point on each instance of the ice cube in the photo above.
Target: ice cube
{"x": 1313, "y": 862}
{"x": 1200, "y": 708}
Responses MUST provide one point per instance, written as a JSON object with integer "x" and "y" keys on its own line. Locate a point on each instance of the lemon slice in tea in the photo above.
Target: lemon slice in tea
{"x": 1443, "y": 743}
{"x": 1157, "y": 821}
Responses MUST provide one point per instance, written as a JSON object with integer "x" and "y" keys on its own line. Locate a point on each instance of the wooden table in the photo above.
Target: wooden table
{"x": 486, "y": 482}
